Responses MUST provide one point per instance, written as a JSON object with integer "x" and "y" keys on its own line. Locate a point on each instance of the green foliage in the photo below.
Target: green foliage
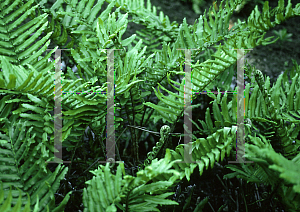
{"x": 283, "y": 35}
{"x": 32, "y": 176}
{"x": 197, "y": 4}
{"x": 89, "y": 28}
{"x": 164, "y": 134}
{"x": 131, "y": 193}
{"x": 204, "y": 151}
{"x": 6, "y": 205}
{"x": 248, "y": 3}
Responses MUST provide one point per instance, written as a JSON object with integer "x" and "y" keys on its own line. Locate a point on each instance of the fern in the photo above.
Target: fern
{"x": 164, "y": 134}
{"x": 30, "y": 176}
{"x": 288, "y": 170}
{"x": 131, "y": 193}
{"x": 26, "y": 85}
{"x": 6, "y": 205}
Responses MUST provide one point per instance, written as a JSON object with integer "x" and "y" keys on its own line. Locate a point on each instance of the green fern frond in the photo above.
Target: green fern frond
{"x": 130, "y": 193}
{"x": 288, "y": 170}
{"x": 5, "y": 206}
{"x": 164, "y": 134}
{"x": 270, "y": 99}
{"x": 203, "y": 152}
{"x": 149, "y": 40}
{"x": 23, "y": 164}
{"x": 19, "y": 37}
{"x": 27, "y": 98}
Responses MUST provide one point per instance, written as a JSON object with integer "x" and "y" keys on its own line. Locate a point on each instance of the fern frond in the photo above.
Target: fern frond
{"x": 107, "y": 191}
{"x": 23, "y": 164}
{"x": 273, "y": 107}
{"x": 164, "y": 134}
{"x": 19, "y": 38}
{"x": 6, "y": 205}
{"x": 203, "y": 151}
{"x": 288, "y": 170}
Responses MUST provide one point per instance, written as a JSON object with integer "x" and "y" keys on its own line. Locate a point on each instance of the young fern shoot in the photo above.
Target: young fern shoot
{"x": 164, "y": 135}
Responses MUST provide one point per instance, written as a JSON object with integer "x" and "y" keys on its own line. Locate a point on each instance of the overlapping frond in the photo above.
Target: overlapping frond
{"x": 26, "y": 83}
{"x": 23, "y": 164}
{"x": 130, "y": 193}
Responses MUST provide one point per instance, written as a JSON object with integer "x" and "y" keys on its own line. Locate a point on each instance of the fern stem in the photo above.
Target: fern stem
{"x": 135, "y": 141}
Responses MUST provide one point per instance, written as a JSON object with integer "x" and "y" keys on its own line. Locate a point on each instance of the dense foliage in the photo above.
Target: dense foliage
{"x": 150, "y": 93}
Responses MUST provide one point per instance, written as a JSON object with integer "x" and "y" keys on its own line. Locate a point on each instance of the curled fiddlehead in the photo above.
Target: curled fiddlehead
{"x": 283, "y": 133}
{"x": 260, "y": 81}
{"x": 164, "y": 135}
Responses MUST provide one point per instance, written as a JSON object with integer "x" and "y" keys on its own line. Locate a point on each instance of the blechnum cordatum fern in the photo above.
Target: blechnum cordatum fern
{"x": 26, "y": 83}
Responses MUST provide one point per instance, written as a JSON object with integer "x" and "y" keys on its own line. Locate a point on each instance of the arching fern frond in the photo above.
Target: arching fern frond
{"x": 27, "y": 85}
{"x": 17, "y": 44}
{"x": 149, "y": 40}
{"x": 23, "y": 164}
{"x": 130, "y": 193}
{"x": 288, "y": 170}
{"x": 5, "y": 204}
{"x": 204, "y": 151}
{"x": 253, "y": 172}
